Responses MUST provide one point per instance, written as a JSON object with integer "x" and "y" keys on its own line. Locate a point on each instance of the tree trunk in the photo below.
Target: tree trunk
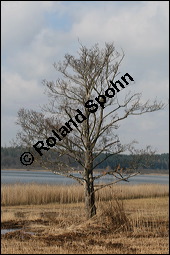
{"x": 89, "y": 185}
{"x": 89, "y": 197}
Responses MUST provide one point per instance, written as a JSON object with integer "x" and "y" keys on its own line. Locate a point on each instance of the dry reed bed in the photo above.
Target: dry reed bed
{"x": 37, "y": 194}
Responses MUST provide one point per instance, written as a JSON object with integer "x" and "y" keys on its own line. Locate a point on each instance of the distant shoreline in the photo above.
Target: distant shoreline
{"x": 43, "y": 170}
{"x": 26, "y": 170}
{"x": 155, "y": 174}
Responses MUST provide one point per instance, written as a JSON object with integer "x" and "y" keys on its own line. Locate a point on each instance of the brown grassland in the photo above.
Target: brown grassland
{"x": 131, "y": 219}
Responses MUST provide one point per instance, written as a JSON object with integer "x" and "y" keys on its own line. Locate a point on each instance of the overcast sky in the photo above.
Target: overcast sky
{"x": 35, "y": 34}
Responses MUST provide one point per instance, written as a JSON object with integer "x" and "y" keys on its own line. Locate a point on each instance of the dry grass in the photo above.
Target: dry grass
{"x": 129, "y": 226}
{"x": 36, "y": 194}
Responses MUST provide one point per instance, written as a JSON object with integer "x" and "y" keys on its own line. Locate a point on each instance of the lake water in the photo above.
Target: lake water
{"x": 4, "y": 231}
{"x": 11, "y": 177}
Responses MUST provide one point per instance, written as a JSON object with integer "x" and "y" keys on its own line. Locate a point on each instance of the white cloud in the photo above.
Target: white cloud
{"x": 19, "y": 92}
{"x": 138, "y": 27}
{"x": 21, "y": 21}
{"x": 31, "y": 43}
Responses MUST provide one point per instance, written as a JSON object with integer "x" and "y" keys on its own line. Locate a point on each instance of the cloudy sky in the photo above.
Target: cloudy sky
{"x": 35, "y": 34}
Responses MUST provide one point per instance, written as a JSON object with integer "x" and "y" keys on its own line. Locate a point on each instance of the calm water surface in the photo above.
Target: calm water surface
{"x": 11, "y": 177}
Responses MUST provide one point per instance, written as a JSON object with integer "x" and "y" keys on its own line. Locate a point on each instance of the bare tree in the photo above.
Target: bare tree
{"x": 81, "y": 120}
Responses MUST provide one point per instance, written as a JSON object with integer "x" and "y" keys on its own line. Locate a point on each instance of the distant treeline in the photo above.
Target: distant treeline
{"x": 10, "y": 158}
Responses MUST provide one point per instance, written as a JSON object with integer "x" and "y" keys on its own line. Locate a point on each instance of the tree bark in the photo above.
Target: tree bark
{"x": 89, "y": 197}
{"x": 89, "y": 185}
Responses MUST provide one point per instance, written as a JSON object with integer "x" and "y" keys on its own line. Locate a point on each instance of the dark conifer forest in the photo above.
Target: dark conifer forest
{"x": 10, "y": 159}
